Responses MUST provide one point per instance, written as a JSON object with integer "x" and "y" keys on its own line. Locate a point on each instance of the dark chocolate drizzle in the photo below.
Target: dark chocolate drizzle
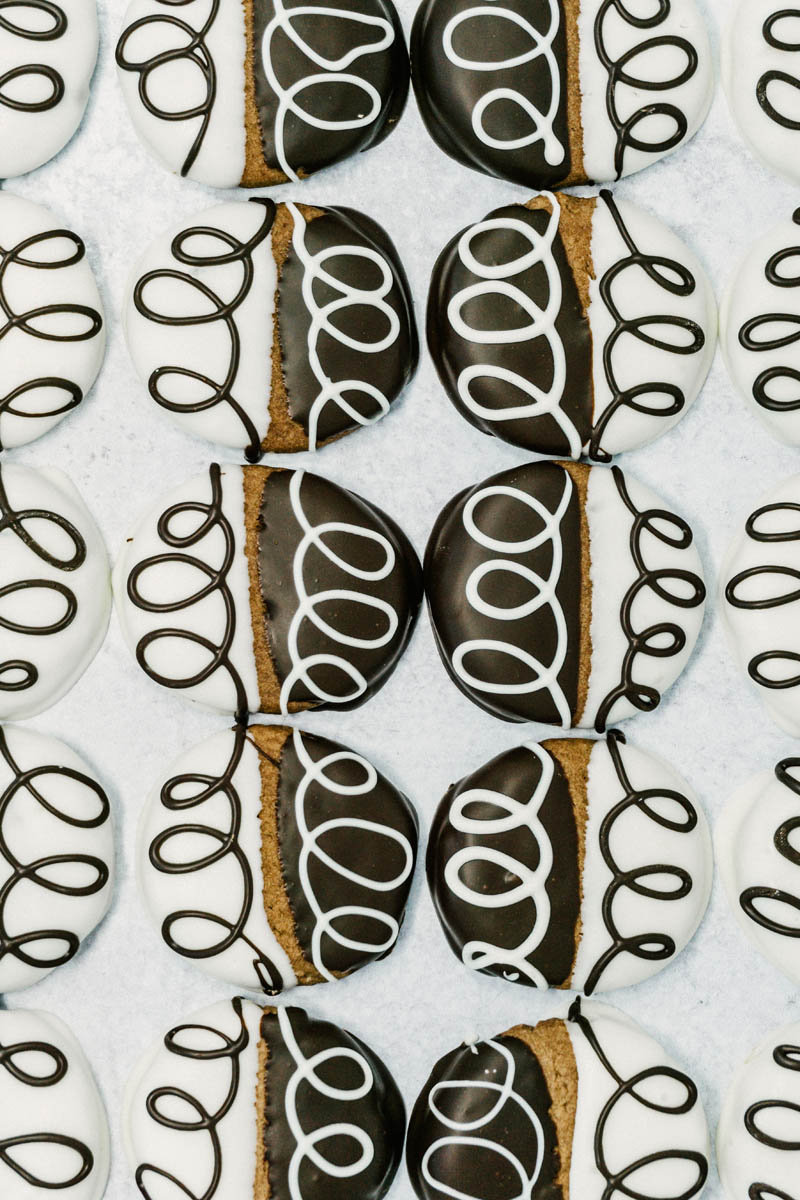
{"x": 788, "y": 1058}
{"x": 671, "y": 530}
{"x": 789, "y": 576}
{"x": 231, "y": 250}
{"x": 194, "y": 50}
{"x": 199, "y": 1118}
{"x": 41, "y": 321}
{"x": 674, "y": 278}
{"x": 630, "y": 1089}
{"x": 791, "y": 323}
{"x": 620, "y": 72}
{"x": 17, "y": 675}
{"x": 770, "y": 77}
{"x": 41, "y": 872}
{"x": 751, "y": 897}
{"x": 652, "y": 946}
{"x": 41, "y": 71}
{"x": 42, "y": 1079}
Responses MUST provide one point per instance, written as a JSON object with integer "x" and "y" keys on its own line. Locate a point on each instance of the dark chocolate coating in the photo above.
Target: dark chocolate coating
{"x": 447, "y": 93}
{"x": 515, "y": 774}
{"x": 458, "y": 1158}
{"x": 364, "y": 851}
{"x": 280, "y": 534}
{"x": 388, "y": 370}
{"x": 380, "y": 1113}
{"x": 307, "y": 147}
{"x": 451, "y": 557}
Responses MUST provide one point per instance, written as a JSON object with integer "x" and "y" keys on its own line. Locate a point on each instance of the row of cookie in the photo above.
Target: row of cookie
{"x": 273, "y": 857}
{"x": 240, "y": 1100}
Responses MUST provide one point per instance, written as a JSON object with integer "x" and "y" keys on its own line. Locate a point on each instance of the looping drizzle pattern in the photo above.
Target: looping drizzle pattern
{"x": 664, "y": 638}
{"x": 787, "y": 1057}
{"x": 17, "y": 675}
{"x": 772, "y": 38}
{"x": 620, "y": 74}
{"x": 751, "y": 897}
{"x": 777, "y": 330}
{"x": 51, "y": 78}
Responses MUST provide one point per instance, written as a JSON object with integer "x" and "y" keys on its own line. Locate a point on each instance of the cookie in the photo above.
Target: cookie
{"x": 563, "y": 593}
{"x": 55, "y": 594}
{"x": 290, "y": 1107}
{"x": 761, "y": 601}
{"x": 758, "y": 1146}
{"x": 560, "y": 92}
{"x": 261, "y": 92}
{"x": 571, "y": 864}
{"x": 272, "y": 327}
{"x": 759, "y": 863}
{"x": 52, "y": 334}
{"x": 571, "y": 326}
{"x": 257, "y": 589}
{"x": 48, "y": 51}
{"x": 761, "y": 77}
{"x": 578, "y": 1108}
{"x": 759, "y": 320}
{"x": 311, "y": 859}
{"x": 56, "y": 855}
{"x": 54, "y": 1136}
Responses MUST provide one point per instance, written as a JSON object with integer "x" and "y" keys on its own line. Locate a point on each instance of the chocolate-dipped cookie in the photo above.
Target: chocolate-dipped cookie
{"x": 292, "y": 1108}
{"x": 55, "y": 594}
{"x": 54, "y": 1137}
{"x": 52, "y": 333}
{"x": 312, "y": 858}
{"x": 563, "y": 593}
{"x": 560, "y": 92}
{"x": 571, "y": 326}
{"x": 759, "y": 319}
{"x": 758, "y": 1145}
{"x": 272, "y": 327}
{"x": 56, "y": 855}
{"x": 48, "y": 49}
{"x": 579, "y": 1108}
{"x": 761, "y": 601}
{"x": 259, "y": 92}
{"x": 571, "y": 864}
{"x": 256, "y": 589}
{"x": 759, "y": 862}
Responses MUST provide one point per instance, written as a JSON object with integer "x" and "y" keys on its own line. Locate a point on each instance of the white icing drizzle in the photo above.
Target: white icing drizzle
{"x": 332, "y": 71}
{"x": 309, "y": 604}
{"x": 467, "y": 1133}
{"x": 541, "y": 49}
{"x": 530, "y": 885}
{"x": 544, "y": 675}
{"x": 327, "y": 921}
{"x": 542, "y": 324}
{"x": 307, "y": 1144}
{"x": 322, "y": 316}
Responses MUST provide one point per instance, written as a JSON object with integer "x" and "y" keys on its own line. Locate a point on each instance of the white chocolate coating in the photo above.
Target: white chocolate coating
{"x": 54, "y": 71}
{"x": 63, "y": 345}
{"x": 756, "y": 847}
{"x": 54, "y": 614}
{"x": 761, "y": 77}
{"x": 68, "y": 1111}
{"x": 758, "y": 1143}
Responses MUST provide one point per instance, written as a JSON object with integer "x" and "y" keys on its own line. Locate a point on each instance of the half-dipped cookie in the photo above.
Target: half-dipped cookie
{"x": 293, "y": 1108}
{"x": 758, "y": 853}
{"x": 273, "y": 857}
{"x": 551, "y": 92}
{"x": 272, "y": 327}
{"x": 571, "y": 864}
{"x": 563, "y": 593}
{"x": 55, "y": 594}
{"x": 570, "y": 325}
{"x": 256, "y": 589}
{"x": 566, "y": 1108}
{"x": 260, "y": 92}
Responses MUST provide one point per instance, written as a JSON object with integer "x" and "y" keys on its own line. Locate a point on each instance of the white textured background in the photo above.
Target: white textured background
{"x": 125, "y": 988}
